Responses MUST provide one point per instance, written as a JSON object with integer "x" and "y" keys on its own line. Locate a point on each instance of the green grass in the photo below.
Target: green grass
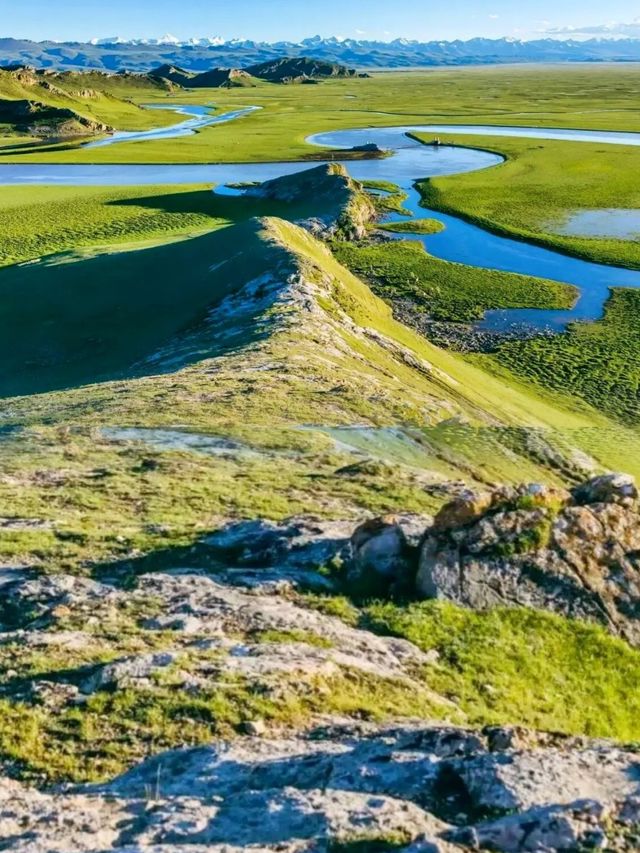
{"x": 40, "y": 221}
{"x": 126, "y": 503}
{"x": 446, "y": 291}
{"x": 74, "y": 321}
{"x": 110, "y": 99}
{"x": 525, "y": 667}
{"x": 598, "y": 361}
{"x": 414, "y": 226}
{"x": 578, "y": 96}
{"x": 112, "y": 731}
{"x": 531, "y": 195}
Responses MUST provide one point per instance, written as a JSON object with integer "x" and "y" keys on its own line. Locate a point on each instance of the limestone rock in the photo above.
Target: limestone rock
{"x": 301, "y": 542}
{"x": 609, "y": 488}
{"x": 343, "y": 783}
{"x": 128, "y": 671}
{"x": 541, "y": 547}
{"x": 384, "y": 551}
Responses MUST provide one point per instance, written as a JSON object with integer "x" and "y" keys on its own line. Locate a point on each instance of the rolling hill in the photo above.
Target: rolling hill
{"x": 71, "y": 103}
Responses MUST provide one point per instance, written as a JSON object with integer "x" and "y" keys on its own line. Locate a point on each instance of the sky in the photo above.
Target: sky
{"x": 274, "y": 20}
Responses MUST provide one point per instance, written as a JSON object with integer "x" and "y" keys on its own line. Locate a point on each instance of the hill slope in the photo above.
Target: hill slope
{"x": 76, "y": 102}
{"x": 181, "y": 537}
{"x": 301, "y": 68}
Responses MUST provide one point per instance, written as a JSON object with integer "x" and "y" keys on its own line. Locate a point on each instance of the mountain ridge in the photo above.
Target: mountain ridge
{"x": 114, "y": 53}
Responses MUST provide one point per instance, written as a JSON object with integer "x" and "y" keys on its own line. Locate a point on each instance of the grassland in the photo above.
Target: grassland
{"x": 531, "y": 194}
{"x": 100, "y": 500}
{"x": 138, "y": 343}
{"x": 596, "y": 361}
{"x": 404, "y": 270}
{"x": 110, "y": 99}
{"x": 514, "y": 664}
{"x": 39, "y": 221}
{"x": 414, "y": 226}
{"x": 572, "y": 97}
{"x": 104, "y": 506}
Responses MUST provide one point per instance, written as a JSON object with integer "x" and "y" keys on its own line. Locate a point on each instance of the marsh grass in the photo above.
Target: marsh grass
{"x": 597, "y": 361}
{"x": 446, "y": 291}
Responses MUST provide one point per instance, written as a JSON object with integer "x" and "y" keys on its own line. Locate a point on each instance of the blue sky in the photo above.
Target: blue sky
{"x": 294, "y": 19}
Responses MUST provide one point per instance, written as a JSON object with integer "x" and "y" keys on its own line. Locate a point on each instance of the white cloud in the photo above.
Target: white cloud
{"x": 612, "y": 29}
{"x": 360, "y": 32}
{"x": 494, "y": 17}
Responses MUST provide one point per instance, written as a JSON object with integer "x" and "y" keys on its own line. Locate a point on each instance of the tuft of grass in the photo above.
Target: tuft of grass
{"x": 367, "y": 843}
{"x": 306, "y": 637}
{"x": 523, "y": 666}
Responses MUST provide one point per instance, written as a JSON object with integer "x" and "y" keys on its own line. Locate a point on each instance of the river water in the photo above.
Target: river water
{"x": 459, "y": 242}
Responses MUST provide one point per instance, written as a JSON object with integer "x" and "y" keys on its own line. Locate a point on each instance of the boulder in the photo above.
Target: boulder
{"x": 609, "y": 488}
{"x": 541, "y": 547}
{"x": 384, "y": 552}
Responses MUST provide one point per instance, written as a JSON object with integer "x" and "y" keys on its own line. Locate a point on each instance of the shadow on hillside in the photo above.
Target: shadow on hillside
{"x": 38, "y": 146}
{"x": 233, "y": 209}
{"x": 70, "y": 322}
{"x": 124, "y": 573}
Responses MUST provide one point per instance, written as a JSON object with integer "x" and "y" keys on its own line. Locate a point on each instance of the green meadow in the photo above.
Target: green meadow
{"x": 447, "y": 291}
{"x": 574, "y": 96}
{"x": 531, "y": 195}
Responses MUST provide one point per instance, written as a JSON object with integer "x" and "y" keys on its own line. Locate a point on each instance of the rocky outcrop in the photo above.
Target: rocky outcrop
{"x": 383, "y": 553}
{"x": 230, "y": 615}
{"x": 410, "y": 787}
{"x": 43, "y": 120}
{"x": 575, "y": 553}
{"x": 299, "y": 69}
{"x": 302, "y": 542}
{"x": 344, "y": 209}
{"x": 322, "y": 783}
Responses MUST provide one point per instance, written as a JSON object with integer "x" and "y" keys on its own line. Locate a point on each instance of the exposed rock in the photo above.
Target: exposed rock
{"x": 609, "y": 488}
{"x": 209, "y": 614}
{"x": 128, "y": 672}
{"x": 576, "y": 826}
{"x": 343, "y": 783}
{"x": 298, "y": 543}
{"x": 575, "y": 554}
{"x": 44, "y": 120}
{"x": 344, "y": 210}
{"x": 384, "y": 551}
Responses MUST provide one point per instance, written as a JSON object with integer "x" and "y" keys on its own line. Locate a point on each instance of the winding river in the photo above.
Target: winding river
{"x": 459, "y": 242}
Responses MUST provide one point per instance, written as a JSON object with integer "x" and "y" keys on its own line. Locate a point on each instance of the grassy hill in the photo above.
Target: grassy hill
{"x": 91, "y": 99}
{"x": 222, "y": 78}
{"x": 298, "y": 69}
{"x": 265, "y": 336}
{"x": 255, "y": 336}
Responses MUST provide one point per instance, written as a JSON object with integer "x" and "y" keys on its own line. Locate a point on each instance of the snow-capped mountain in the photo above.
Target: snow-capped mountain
{"x": 202, "y": 53}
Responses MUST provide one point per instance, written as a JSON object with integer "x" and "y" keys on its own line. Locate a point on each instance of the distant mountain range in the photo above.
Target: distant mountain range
{"x": 113, "y": 54}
